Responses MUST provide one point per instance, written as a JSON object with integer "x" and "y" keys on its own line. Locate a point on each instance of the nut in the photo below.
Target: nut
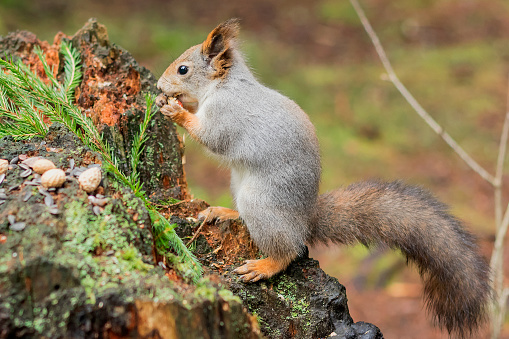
{"x": 42, "y": 165}
{"x": 31, "y": 161}
{"x": 53, "y": 178}
{"x": 4, "y": 165}
{"x": 175, "y": 100}
{"x": 90, "y": 179}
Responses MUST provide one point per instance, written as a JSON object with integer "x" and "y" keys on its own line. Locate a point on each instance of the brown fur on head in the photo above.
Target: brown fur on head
{"x": 203, "y": 64}
{"x": 218, "y": 46}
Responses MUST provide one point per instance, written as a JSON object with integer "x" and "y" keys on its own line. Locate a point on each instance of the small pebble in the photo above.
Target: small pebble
{"x": 2, "y": 177}
{"x": 48, "y": 200}
{"x": 98, "y": 202}
{"x": 27, "y": 195}
{"x": 11, "y": 218}
{"x": 14, "y": 160}
{"x": 43, "y": 191}
{"x": 54, "y": 210}
{"x": 96, "y": 210}
{"x": 19, "y": 226}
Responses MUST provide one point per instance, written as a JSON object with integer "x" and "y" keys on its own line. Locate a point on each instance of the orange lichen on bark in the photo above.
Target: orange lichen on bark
{"x": 50, "y": 53}
{"x": 108, "y": 91}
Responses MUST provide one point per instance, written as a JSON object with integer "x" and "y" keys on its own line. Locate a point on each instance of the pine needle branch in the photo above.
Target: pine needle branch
{"x": 72, "y": 68}
{"x": 166, "y": 238}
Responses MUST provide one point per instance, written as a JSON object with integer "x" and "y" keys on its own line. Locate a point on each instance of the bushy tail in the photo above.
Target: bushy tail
{"x": 455, "y": 276}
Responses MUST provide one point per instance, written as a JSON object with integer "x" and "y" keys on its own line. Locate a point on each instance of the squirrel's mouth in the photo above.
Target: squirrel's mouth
{"x": 188, "y": 102}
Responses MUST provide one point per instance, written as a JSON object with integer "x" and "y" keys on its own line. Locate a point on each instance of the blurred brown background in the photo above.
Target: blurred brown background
{"x": 452, "y": 55}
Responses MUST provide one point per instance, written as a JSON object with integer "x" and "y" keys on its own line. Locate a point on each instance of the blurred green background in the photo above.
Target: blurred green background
{"x": 452, "y": 55}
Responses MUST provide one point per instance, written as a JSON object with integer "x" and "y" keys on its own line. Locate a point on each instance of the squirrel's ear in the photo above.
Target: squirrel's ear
{"x": 217, "y": 48}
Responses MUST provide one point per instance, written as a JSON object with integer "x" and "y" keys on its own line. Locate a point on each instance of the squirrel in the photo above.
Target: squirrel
{"x": 272, "y": 149}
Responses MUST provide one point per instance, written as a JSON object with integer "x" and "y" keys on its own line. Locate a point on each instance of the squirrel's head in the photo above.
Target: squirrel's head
{"x": 188, "y": 77}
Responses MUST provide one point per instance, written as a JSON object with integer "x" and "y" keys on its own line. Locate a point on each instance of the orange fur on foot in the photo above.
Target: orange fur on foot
{"x": 254, "y": 270}
{"x": 218, "y": 213}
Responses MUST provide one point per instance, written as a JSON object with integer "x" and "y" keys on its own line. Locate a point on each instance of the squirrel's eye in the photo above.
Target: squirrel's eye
{"x": 182, "y": 70}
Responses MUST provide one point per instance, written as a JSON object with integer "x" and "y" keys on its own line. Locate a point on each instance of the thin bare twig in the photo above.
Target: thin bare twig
{"x": 496, "y": 257}
{"x": 500, "y": 166}
{"x": 413, "y": 102}
{"x": 197, "y": 232}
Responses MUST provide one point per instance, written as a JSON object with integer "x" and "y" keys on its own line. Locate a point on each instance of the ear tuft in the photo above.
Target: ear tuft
{"x": 217, "y": 47}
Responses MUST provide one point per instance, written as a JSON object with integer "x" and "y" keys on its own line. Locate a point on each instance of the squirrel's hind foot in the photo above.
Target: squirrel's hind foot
{"x": 254, "y": 270}
{"x": 218, "y": 213}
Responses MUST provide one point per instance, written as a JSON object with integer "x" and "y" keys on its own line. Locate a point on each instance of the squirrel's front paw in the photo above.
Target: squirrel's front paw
{"x": 172, "y": 107}
{"x": 161, "y": 100}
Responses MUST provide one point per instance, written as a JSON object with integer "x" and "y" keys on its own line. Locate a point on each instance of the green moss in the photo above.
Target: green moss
{"x": 87, "y": 234}
{"x": 168, "y": 201}
{"x": 204, "y": 290}
{"x": 227, "y": 295}
{"x": 298, "y": 303}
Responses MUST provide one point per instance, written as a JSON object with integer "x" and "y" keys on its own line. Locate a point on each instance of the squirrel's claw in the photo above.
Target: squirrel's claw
{"x": 248, "y": 272}
{"x": 252, "y": 277}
